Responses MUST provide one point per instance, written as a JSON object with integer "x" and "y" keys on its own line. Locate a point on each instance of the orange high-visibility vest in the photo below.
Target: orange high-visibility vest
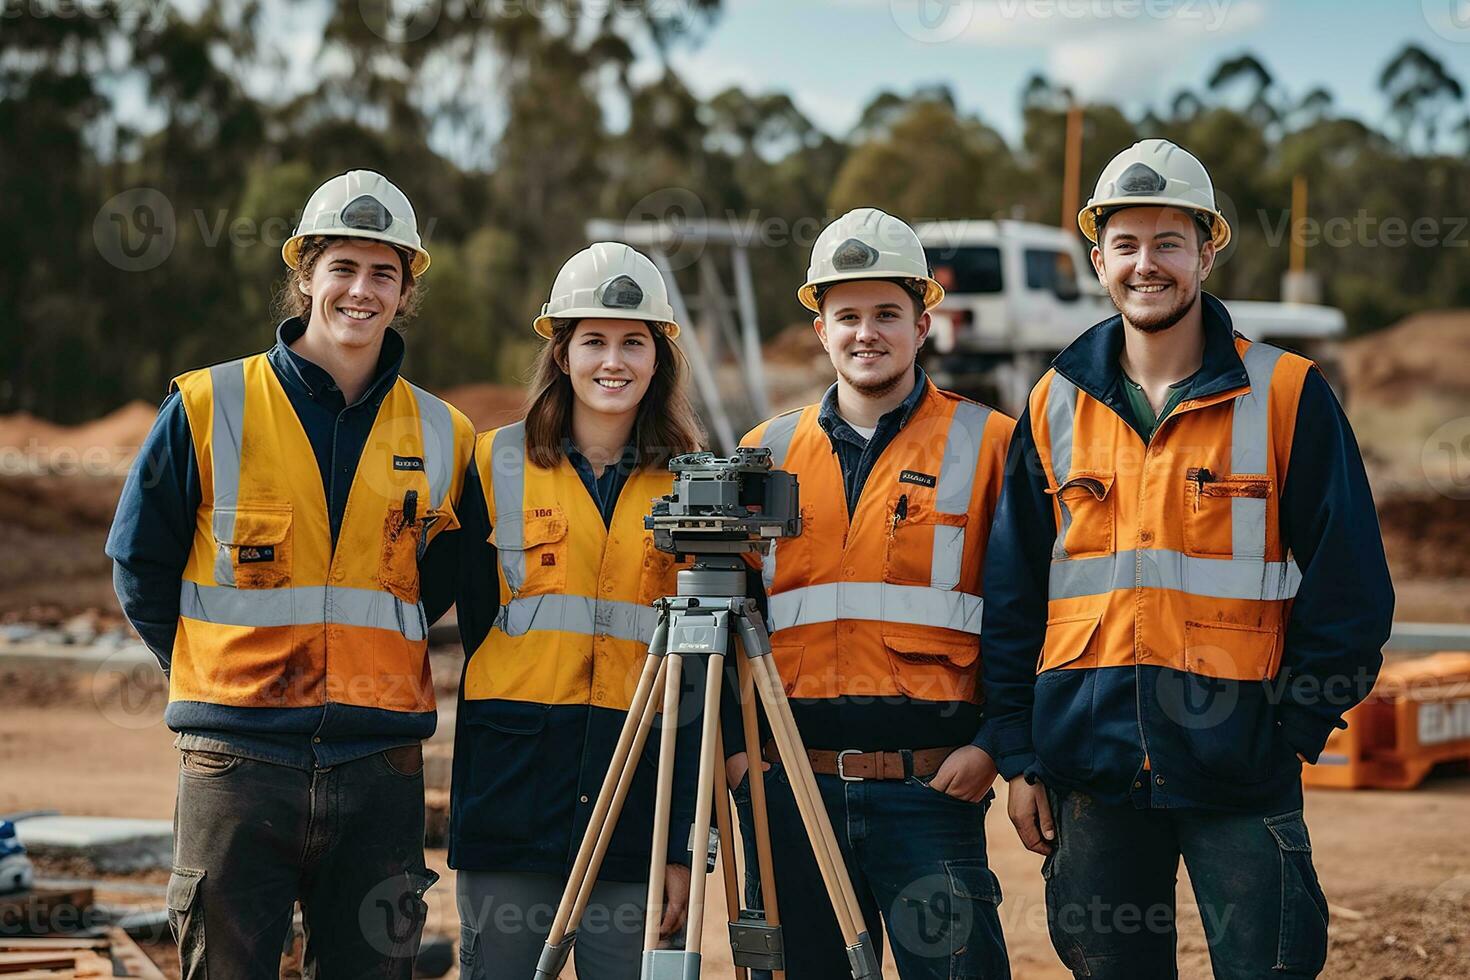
{"x": 1171, "y": 554}
{"x": 576, "y": 595}
{"x": 271, "y": 615}
{"x": 887, "y": 602}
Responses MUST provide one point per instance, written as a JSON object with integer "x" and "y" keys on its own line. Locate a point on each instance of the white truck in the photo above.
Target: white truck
{"x": 1018, "y": 292}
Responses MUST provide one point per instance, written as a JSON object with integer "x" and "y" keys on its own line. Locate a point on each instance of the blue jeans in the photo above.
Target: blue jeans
{"x": 1110, "y": 887}
{"x": 916, "y": 857}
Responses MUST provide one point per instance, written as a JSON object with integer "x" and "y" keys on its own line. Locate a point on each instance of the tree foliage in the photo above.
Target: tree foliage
{"x": 510, "y": 127}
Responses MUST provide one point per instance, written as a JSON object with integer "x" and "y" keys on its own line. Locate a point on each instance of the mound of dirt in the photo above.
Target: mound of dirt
{"x": 488, "y": 406}
{"x": 1408, "y": 395}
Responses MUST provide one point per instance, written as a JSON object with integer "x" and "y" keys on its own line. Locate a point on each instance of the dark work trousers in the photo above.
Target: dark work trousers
{"x": 917, "y": 861}
{"x": 1111, "y": 881}
{"x": 252, "y": 838}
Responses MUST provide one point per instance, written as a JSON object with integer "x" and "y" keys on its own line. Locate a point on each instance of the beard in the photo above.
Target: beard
{"x": 878, "y": 387}
{"x": 1152, "y": 321}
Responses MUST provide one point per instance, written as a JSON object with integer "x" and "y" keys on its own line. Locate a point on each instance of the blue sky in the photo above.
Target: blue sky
{"x": 832, "y": 56}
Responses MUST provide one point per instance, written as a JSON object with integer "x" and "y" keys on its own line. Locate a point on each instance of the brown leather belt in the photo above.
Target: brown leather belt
{"x": 853, "y": 765}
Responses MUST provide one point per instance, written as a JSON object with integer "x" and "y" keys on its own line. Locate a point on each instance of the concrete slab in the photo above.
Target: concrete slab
{"x": 112, "y": 845}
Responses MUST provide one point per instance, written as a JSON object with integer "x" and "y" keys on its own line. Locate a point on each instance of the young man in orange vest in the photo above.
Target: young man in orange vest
{"x": 1186, "y": 591}
{"x": 874, "y": 612}
{"x": 279, "y": 546}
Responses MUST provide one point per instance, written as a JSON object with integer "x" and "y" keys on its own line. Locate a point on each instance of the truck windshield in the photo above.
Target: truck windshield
{"x": 1051, "y": 272}
{"x": 966, "y": 269}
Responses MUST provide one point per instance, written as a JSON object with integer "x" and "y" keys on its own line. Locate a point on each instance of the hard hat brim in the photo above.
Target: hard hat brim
{"x": 1087, "y": 217}
{"x": 807, "y": 294}
{"x": 542, "y": 324}
{"x": 291, "y": 251}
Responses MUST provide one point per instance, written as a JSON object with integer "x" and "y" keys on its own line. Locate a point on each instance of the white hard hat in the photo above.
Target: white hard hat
{"x": 1155, "y": 172}
{"x": 359, "y": 204}
{"x": 868, "y": 244}
{"x": 608, "y": 280}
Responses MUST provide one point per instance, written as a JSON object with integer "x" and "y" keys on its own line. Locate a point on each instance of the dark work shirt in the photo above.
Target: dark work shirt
{"x": 153, "y": 531}
{"x": 857, "y": 454}
{"x": 605, "y": 488}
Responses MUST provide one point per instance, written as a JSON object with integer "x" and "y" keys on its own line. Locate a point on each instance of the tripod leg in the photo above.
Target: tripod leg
{"x": 604, "y": 818}
{"x": 860, "y": 952}
{"x": 764, "y": 862}
{"x": 662, "y": 805}
{"x": 703, "y": 799}
{"x": 730, "y": 873}
{"x": 609, "y": 823}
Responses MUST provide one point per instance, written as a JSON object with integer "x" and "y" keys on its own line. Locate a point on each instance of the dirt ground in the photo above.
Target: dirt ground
{"x": 1395, "y": 866}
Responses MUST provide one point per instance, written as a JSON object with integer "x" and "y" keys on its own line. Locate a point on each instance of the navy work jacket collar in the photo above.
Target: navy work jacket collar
{"x": 316, "y": 382}
{"x": 892, "y": 421}
{"x": 1091, "y": 361}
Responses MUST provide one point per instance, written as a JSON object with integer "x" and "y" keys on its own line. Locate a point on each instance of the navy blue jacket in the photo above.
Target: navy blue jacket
{"x": 526, "y": 775}
{"x": 1339, "y": 620}
{"x": 153, "y": 533}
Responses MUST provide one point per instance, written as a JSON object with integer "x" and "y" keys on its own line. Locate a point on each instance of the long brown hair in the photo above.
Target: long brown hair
{"x": 666, "y": 425}
{"x": 291, "y": 301}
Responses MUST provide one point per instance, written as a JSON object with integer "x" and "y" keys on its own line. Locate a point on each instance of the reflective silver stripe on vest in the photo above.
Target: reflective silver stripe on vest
{"x": 302, "y": 606}
{"x": 1250, "y": 441}
{"x": 586, "y": 615}
{"x": 952, "y": 492}
{"x": 508, "y": 483}
{"x": 877, "y": 601}
{"x": 1061, "y": 413}
{"x": 228, "y": 398}
{"x": 777, "y": 438}
{"x": 436, "y": 432}
{"x": 1216, "y": 578}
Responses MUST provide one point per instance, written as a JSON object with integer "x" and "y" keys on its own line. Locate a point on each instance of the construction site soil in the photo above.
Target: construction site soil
{"x": 1395, "y": 865}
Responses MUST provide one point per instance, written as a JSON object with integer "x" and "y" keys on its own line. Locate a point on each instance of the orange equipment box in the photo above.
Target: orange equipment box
{"x": 1417, "y": 716}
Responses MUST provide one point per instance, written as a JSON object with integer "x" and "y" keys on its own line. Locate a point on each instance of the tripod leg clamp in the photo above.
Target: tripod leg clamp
{"x": 755, "y": 943}
{"x": 670, "y": 964}
{"x": 864, "y": 959}
{"x": 553, "y": 958}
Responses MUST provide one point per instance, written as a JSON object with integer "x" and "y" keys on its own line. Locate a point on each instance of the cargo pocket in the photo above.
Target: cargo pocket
{"x": 954, "y": 654}
{"x": 1218, "y": 509}
{"x": 500, "y": 772}
{"x": 925, "y": 547}
{"x": 186, "y": 919}
{"x": 787, "y": 658}
{"x": 1069, "y": 643}
{"x": 398, "y": 563}
{"x": 1302, "y": 946}
{"x": 254, "y": 547}
{"x": 1232, "y": 651}
{"x": 408, "y": 926}
{"x": 977, "y": 948}
{"x": 534, "y": 550}
{"x": 1086, "y": 502}
{"x": 659, "y": 573}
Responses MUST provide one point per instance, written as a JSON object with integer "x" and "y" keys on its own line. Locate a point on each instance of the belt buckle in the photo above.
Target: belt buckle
{"x": 841, "y": 772}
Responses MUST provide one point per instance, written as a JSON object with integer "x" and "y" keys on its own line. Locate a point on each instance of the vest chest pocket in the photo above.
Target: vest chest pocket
{"x": 925, "y": 547}
{"x": 1225, "y": 514}
{"x": 398, "y": 564}
{"x": 658, "y": 575}
{"x": 533, "y": 551}
{"x": 254, "y": 547}
{"x": 1087, "y": 505}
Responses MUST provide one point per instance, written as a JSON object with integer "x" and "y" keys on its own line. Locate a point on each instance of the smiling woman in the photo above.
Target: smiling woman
{"x": 557, "y": 583}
